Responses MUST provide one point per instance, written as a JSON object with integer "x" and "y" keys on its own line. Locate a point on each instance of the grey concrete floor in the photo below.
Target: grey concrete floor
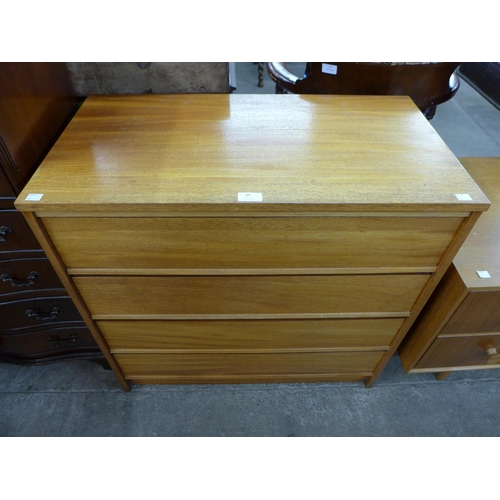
{"x": 79, "y": 398}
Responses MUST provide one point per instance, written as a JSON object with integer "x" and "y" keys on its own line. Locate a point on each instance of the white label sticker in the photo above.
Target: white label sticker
{"x": 249, "y": 196}
{"x": 463, "y": 197}
{"x": 331, "y": 69}
{"x": 34, "y": 197}
{"x": 483, "y": 274}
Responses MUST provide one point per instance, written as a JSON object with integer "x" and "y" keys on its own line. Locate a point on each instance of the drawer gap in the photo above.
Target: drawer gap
{"x": 175, "y": 317}
{"x": 247, "y": 351}
{"x": 249, "y": 272}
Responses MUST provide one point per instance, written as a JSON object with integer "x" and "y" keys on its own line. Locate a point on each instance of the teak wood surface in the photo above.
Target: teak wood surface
{"x": 197, "y": 152}
{"x": 480, "y": 252}
{"x": 466, "y": 351}
{"x": 359, "y": 219}
{"x": 252, "y": 336}
{"x": 247, "y": 364}
{"x": 126, "y": 296}
{"x": 262, "y": 243}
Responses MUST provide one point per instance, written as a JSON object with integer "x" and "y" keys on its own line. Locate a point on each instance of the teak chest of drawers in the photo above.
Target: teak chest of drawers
{"x": 459, "y": 327}
{"x": 236, "y": 238}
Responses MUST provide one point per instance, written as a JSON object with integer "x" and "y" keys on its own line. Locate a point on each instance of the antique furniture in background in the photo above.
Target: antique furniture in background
{"x": 428, "y": 84}
{"x": 149, "y": 78}
{"x": 38, "y": 321}
{"x": 250, "y": 238}
{"x": 484, "y": 77}
{"x": 459, "y": 328}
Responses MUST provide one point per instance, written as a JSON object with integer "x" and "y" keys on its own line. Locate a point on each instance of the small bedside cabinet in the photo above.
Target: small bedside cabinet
{"x": 459, "y": 328}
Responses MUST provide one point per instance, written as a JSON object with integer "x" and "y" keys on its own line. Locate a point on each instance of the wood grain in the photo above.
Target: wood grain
{"x": 59, "y": 268}
{"x": 260, "y": 335}
{"x": 358, "y": 192}
{"x": 37, "y": 101}
{"x": 262, "y": 243}
{"x": 459, "y": 351}
{"x": 479, "y": 312}
{"x": 480, "y": 250}
{"x": 303, "y": 153}
{"x": 247, "y": 364}
{"x": 429, "y": 287}
{"x": 464, "y": 307}
{"x": 447, "y": 297}
{"x": 249, "y": 294}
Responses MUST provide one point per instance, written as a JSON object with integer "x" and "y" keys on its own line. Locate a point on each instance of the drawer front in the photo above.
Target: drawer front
{"x": 47, "y": 341}
{"x": 134, "y": 365}
{"x": 6, "y": 190}
{"x": 460, "y": 351}
{"x": 37, "y": 313}
{"x": 257, "y": 243}
{"x": 256, "y": 335}
{"x": 249, "y": 294}
{"x": 15, "y": 234}
{"x": 26, "y": 275}
{"x": 479, "y": 312}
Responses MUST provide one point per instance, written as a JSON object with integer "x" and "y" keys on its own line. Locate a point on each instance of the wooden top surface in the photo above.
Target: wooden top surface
{"x": 302, "y": 152}
{"x": 481, "y": 249}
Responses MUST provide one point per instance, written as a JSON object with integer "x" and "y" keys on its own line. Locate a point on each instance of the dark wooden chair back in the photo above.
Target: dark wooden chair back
{"x": 428, "y": 84}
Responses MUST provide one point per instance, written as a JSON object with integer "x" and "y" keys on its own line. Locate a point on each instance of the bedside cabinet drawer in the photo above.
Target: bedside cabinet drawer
{"x": 479, "y": 312}
{"x": 264, "y": 335}
{"x": 195, "y": 295}
{"x": 472, "y": 351}
{"x": 251, "y": 242}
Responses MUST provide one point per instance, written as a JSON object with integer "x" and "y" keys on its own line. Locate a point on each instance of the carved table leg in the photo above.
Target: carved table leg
{"x": 261, "y": 74}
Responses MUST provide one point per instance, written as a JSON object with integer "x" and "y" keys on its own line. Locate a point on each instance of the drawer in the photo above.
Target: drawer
{"x": 262, "y": 335}
{"x": 47, "y": 341}
{"x": 461, "y": 351}
{"x": 244, "y": 364}
{"x": 26, "y": 275}
{"x": 6, "y": 190}
{"x": 37, "y": 312}
{"x": 251, "y": 242}
{"x": 125, "y": 296}
{"x": 15, "y": 234}
{"x": 479, "y": 312}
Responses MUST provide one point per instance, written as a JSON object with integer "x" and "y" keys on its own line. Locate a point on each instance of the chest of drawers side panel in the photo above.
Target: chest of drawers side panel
{"x": 411, "y": 356}
{"x": 441, "y": 306}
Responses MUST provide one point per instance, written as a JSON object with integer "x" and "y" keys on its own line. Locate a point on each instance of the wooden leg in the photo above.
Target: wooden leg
{"x": 429, "y": 112}
{"x": 261, "y": 74}
{"x": 442, "y": 375}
